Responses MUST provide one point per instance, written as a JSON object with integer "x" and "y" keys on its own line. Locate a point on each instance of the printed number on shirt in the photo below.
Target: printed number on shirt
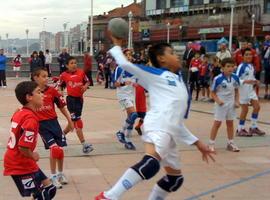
{"x": 12, "y": 137}
{"x": 29, "y": 136}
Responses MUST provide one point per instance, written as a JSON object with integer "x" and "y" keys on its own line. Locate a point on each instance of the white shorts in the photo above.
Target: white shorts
{"x": 245, "y": 98}
{"x": 16, "y": 69}
{"x": 225, "y": 112}
{"x": 126, "y": 103}
{"x": 165, "y": 146}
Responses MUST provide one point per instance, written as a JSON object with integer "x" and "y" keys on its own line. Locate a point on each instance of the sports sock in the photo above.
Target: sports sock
{"x": 127, "y": 181}
{"x": 241, "y": 125}
{"x": 211, "y": 141}
{"x": 254, "y": 119}
{"x": 158, "y": 193}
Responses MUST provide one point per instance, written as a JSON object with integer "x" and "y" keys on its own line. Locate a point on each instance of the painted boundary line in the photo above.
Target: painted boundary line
{"x": 222, "y": 187}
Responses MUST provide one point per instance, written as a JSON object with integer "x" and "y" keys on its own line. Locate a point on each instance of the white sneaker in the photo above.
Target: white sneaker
{"x": 4, "y": 86}
{"x": 55, "y": 181}
{"x": 87, "y": 148}
{"x": 62, "y": 179}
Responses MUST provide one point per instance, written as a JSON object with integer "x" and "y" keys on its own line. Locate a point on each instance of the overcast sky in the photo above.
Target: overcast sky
{"x": 18, "y": 15}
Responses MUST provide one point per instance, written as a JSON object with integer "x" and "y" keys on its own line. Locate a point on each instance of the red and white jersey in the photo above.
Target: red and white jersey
{"x": 140, "y": 99}
{"x": 74, "y": 82}
{"x": 194, "y": 64}
{"x": 23, "y": 133}
{"x": 50, "y": 97}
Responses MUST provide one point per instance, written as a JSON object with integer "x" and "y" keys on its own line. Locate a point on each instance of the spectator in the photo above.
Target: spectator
{"x": 87, "y": 60}
{"x": 17, "y": 63}
{"x": 188, "y": 55}
{"x": 48, "y": 62}
{"x": 266, "y": 65}
{"x": 216, "y": 68}
{"x": 35, "y": 62}
{"x": 107, "y": 70}
{"x": 194, "y": 74}
{"x": 3, "y": 61}
{"x": 62, "y": 59}
{"x": 223, "y": 52}
{"x": 42, "y": 58}
{"x": 100, "y": 62}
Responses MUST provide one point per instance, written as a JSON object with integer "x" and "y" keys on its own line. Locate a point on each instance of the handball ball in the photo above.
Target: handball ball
{"x": 118, "y": 27}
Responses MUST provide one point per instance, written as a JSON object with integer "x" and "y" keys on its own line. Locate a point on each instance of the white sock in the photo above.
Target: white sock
{"x": 230, "y": 141}
{"x": 211, "y": 141}
{"x": 127, "y": 181}
{"x": 158, "y": 193}
{"x": 240, "y": 127}
{"x": 53, "y": 175}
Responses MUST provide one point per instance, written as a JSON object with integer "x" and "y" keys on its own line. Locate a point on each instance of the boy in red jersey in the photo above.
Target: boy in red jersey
{"x": 20, "y": 158}
{"x": 77, "y": 83}
{"x": 49, "y": 128}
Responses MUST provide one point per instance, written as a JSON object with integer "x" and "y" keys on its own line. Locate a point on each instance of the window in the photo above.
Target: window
{"x": 215, "y": 1}
{"x": 196, "y": 2}
{"x": 267, "y": 6}
{"x": 161, "y": 4}
{"x": 177, "y": 3}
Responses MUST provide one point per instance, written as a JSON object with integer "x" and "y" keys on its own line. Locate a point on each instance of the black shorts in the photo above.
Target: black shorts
{"x": 258, "y": 75}
{"x": 267, "y": 76}
{"x": 75, "y": 106}
{"x": 204, "y": 81}
{"x": 51, "y": 133}
{"x": 29, "y": 184}
{"x": 141, "y": 115}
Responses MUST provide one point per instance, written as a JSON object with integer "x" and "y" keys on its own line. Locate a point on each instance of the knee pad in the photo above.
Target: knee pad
{"x": 47, "y": 193}
{"x": 171, "y": 183}
{"x": 57, "y": 152}
{"x": 147, "y": 167}
{"x": 78, "y": 124}
{"x": 131, "y": 120}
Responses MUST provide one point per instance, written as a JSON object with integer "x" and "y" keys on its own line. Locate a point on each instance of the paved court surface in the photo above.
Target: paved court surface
{"x": 234, "y": 176}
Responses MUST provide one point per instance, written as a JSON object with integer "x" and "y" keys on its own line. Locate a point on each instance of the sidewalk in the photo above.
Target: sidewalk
{"x": 234, "y": 176}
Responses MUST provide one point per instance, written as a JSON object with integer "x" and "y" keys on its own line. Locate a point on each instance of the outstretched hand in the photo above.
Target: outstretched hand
{"x": 206, "y": 152}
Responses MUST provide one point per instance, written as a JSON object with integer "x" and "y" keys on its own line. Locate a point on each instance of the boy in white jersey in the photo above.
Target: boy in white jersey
{"x": 245, "y": 72}
{"x": 126, "y": 95}
{"x": 163, "y": 124}
{"x": 225, "y": 93}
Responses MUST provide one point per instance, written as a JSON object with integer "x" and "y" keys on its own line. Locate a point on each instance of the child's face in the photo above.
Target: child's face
{"x": 170, "y": 59}
{"x": 197, "y": 55}
{"x": 36, "y": 99}
{"x": 128, "y": 55}
{"x": 228, "y": 68}
{"x": 247, "y": 57}
{"x": 72, "y": 65}
{"x": 42, "y": 79}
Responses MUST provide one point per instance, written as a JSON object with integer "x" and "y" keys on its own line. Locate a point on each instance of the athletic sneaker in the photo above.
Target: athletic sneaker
{"x": 243, "y": 133}
{"x": 232, "y": 147}
{"x": 87, "y": 148}
{"x": 138, "y": 129}
{"x": 62, "y": 179}
{"x": 121, "y": 137}
{"x": 130, "y": 146}
{"x": 55, "y": 182}
{"x": 101, "y": 197}
{"x": 256, "y": 131}
{"x": 212, "y": 147}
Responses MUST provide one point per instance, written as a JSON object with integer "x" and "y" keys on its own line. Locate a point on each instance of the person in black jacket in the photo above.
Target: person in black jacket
{"x": 62, "y": 59}
{"x": 35, "y": 62}
{"x": 42, "y": 58}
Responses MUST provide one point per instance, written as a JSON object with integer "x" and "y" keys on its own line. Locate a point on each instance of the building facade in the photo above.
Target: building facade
{"x": 47, "y": 41}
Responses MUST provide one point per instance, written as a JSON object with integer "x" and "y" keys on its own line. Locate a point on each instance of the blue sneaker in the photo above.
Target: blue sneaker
{"x": 121, "y": 137}
{"x": 130, "y": 146}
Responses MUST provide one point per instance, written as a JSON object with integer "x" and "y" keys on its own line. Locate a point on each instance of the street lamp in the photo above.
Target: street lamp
{"x": 91, "y": 30}
{"x": 27, "y": 45}
{"x": 232, "y": 2}
{"x": 130, "y": 15}
{"x": 65, "y": 34}
{"x": 44, "y": 34}
{"x": 7, "y": 42}
{"x": 180, "y": 31}
{"x": 168, "y": 32}
{"x": 253, "y": 25}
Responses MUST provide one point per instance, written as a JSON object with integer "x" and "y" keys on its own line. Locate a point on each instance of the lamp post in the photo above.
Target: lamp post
{"x": 168, "y": 32}
{"x": 65, "y": 35}
{"x": 253, "y": 25}
{"x": 180, "y": 32}
{"x": 232, "y": 2}
{"x": 44, "y": 34}
{"x": 91, "y": 30}
{"x": 7, "y": 42}
{"x": 27, "y": 45}
{"x": 130, "y": 15}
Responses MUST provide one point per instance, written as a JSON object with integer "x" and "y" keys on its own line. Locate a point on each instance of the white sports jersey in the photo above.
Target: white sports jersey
{"x": 225, "y": 87}
{"x": 168, "y": 98}
{"x": 127, "y": 91}
{"x": 245, "y": 71}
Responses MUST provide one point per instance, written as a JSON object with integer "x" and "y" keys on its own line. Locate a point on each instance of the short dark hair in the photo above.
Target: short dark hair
{"x": 25, "y": 88}
{"x": 37, "y": 71}
{"x": 227, "y": 61}
{"x": 69, "y": 59}
{"x": 155, "y": 51}
{"x": 244, "y": 51}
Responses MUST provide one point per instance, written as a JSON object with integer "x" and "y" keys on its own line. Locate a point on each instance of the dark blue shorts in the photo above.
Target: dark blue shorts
{"x": 29, "y": 184}
{"x": 75, "y": 106}
{"x": 51, "y": 133}
{"x": 141, "y": 115}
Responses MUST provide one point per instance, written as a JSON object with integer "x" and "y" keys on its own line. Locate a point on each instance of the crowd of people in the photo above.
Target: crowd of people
{"x": 231, "y": 80}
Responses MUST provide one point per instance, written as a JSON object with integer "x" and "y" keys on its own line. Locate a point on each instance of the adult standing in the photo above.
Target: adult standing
{"x": 187, "y": 57}
{"x": 266, "y": 65}
{"x": 223, "y": 52}
{"x": 48, "y": 62}
{"x": 42, "y": 58}
{"x": 35, "y": 62}
{"x": 87, "y": 60}
{"x": 62, "y": 59}
{"x": 3, "y": 65}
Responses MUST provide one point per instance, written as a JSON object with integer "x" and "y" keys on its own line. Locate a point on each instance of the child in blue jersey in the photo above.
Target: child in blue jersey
{"x": 163, "y": 125}
{"x": 226, "y": 96}
{"x": 125, "y": 91}
{"x": 245, "y": 72}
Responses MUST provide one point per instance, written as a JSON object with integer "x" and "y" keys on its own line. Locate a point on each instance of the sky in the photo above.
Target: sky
{"x": 18, "y": 15}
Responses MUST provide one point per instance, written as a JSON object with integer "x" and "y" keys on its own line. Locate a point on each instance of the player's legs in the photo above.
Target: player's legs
{"x": 241, "y": 131}
{"x": 254, "y": 130}
{"x": 141, "y": 116}
{"x": 213, "y": 134}
{"x": 231, "y": 146}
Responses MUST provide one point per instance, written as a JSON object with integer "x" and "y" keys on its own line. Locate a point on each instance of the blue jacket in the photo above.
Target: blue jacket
{"x": 3, "y": 60}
